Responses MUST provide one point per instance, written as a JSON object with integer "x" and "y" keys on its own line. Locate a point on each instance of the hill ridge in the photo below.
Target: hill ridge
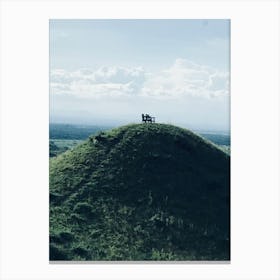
{"x": 140, "y": 192}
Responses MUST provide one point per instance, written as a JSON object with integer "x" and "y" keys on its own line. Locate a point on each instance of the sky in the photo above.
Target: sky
{"x": 111, "y": 71}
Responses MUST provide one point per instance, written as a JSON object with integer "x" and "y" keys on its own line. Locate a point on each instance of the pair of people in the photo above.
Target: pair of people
{"x": 147, "y": 118}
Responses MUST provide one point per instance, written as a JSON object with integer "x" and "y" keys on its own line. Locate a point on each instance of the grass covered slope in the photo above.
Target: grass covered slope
{"x": 140, "y": 192}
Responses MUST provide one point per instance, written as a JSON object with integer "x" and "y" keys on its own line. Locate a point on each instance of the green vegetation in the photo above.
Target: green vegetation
{"x": 218, "y": 139}
{"x": 71, "y": 131}
{"x": 225, "y": 148}
{"x": 66, "y": 136}
{"x": 58, "y": 146}
{"x": 140, "y": 192}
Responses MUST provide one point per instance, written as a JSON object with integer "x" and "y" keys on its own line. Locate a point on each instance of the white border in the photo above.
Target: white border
{"x": 255, "y": 138}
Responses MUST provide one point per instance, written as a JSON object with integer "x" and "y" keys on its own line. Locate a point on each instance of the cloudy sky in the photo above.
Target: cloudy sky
{"x": 112, "y": 71}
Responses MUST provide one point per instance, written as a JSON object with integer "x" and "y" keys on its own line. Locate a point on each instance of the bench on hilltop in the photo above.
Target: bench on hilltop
{"x": 148, "y": 119}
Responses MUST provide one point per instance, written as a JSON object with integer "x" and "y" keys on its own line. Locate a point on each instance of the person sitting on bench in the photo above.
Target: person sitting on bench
{"x": 147, "y": 118}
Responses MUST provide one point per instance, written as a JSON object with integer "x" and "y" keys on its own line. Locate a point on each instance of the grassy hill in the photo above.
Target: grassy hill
{"x": 140, "y": 192}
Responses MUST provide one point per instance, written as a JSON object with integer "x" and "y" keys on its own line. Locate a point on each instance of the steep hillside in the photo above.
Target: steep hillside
{"x": 140, "y": 192}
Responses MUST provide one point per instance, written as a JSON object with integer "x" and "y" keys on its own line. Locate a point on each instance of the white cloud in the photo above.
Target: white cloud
{"x": 183, "y": 78}
{"x": 106, "y": 81}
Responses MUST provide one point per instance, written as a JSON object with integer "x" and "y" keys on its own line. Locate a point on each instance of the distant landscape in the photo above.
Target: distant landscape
{"x": 66, "y": 136}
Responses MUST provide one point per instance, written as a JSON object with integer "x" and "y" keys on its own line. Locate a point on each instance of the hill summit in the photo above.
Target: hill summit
{"x": 141, "y": 192}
